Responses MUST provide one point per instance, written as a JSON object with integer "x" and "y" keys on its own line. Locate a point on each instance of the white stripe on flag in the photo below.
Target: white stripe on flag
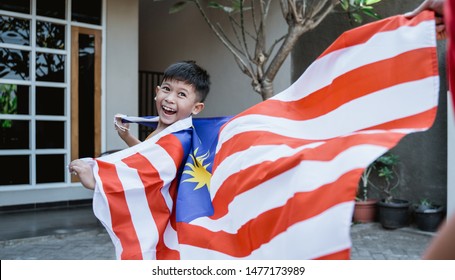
{"x": 306, "y": 177}
{"x": 142, "y": 218}
{"x": 289, "y": 244}
{"x": 355, "y": 115}
{"x": 322, "y": 72}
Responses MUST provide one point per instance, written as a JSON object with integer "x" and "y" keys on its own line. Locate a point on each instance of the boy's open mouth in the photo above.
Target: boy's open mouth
{"x": 168, "y": 111}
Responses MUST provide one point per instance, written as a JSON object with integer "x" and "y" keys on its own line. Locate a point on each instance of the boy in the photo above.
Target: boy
{"x": 183, "y": 90}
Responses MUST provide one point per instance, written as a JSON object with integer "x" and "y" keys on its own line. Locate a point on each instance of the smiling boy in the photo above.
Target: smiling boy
{"x": 181, "y": 94}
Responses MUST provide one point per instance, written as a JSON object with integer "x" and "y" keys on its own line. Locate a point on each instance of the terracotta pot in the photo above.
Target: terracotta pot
{"x": 365, "y": 211}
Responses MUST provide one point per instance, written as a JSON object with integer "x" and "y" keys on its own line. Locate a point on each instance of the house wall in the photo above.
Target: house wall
{"x": 166, "y": 38}
{"x": 423, "y": 156}
{"x": 121, "y": 66}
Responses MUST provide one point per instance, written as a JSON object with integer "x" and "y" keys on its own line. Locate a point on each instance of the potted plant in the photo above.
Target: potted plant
{"x": 393, "y": 212}
{"x": 365, "y": 207}
{"x": 428, "y": 215}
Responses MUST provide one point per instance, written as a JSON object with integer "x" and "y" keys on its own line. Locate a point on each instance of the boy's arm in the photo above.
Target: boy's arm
{"x": 129, "y": 139}
{"x": 123, "y": 130}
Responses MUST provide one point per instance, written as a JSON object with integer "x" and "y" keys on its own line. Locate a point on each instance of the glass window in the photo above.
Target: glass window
{"x": 50, "y": 135}
{"x": 51, "y": 8}
{"x": 14, "y": 64}
{"x": 50, "y": 168}
{"x": 88, "y": 11}
{"x": 50, "y": 101}
{"x": 50, "y": 35}
{"x": 21, "y": 6}
{"x": 14, "y": 31}
{"x": 15, "y": 170}
{"x": 14, "y": 134}
{"x": 50, "y": 67}
{"x": 14, "y": 99}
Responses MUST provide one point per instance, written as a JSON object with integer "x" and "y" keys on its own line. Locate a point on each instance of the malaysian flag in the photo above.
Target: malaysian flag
{"x": 277, "y": 181}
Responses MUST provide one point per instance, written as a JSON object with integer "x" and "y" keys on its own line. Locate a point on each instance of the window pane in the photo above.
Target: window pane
{"x": 15, "y": 170}
{"x": 14, "y": 30}
{"x": 50, "y": 168}
{"x": 14, "y": 64}
{"x": 51, "y": 8}
{"x": 50, "y": 101}
{"x": 14, "y": 134}
{"x": 50, "y": 35}
{"x": 50, "y": 135}
{"x": 50, "y": 67}
{"x": 14, "y": 99}
{"x": 21, "y": 6}
{"x": 88, "y": 11}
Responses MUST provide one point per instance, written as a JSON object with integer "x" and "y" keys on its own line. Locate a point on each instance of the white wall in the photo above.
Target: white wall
{"x": 122, "y": 44}
{"x": 166, "y": 38}
{"x": 450, "y": 156}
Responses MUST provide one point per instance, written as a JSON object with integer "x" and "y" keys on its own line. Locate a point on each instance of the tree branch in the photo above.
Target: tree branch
{"x": 243, "y": 66}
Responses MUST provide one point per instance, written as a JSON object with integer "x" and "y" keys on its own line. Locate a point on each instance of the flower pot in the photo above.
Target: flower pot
{"x": 393, "y": 214}
{"x": 365, "y": 211}
{"x": 428, "y": 219}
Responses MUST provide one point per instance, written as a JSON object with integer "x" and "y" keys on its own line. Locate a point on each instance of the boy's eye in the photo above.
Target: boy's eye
{"x": 182, "y": 94}
{"x": 165, "y": 88}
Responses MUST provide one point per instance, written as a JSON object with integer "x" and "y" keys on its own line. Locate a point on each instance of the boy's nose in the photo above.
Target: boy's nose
{"x": 170, "y": 98}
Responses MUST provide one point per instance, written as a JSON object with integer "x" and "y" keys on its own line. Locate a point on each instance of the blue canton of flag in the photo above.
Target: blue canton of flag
{"x": 193, "y": 198}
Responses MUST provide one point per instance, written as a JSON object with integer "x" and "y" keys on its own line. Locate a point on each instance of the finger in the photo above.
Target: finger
{"x": 441, "y": 35}
{"x": 120, "y": 127}
{"x": 424, "y": 6}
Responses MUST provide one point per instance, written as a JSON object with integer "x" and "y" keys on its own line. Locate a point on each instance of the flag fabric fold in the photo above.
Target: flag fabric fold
{"x": 277, "y": 181}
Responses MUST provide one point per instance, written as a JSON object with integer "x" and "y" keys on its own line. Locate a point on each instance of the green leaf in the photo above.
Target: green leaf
{"x": 344, "y": 4}
{"x": 357, "y": 17}
{"x": 371, "y": 2}
{"x": 177, "y": 7}
{"x": 226, "y": 9}
{"x": 371, "y": 14}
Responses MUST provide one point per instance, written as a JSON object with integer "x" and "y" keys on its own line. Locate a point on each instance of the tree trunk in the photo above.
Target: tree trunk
{"x": 266, "y": 89}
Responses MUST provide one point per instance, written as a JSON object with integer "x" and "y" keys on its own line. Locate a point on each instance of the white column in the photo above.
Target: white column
{"x": 450, "y": 156}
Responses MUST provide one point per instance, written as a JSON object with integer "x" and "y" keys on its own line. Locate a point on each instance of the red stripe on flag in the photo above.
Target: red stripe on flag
{"x": 152, "y": 187}
{"x": 350, "y": 86}
{"x": 173, "y": 147}
{"x": 423, "y": 120}
{"x": 269, "y": 224}
{"x": 243, "y": 141}
{"x": 341, "y": 255}
{"x": 256, "y": 174}
{"x": 122, "y": 225}
{"x": 365, "y": 32}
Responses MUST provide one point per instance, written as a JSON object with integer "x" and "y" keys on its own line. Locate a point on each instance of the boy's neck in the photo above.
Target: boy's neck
{"x": 161, "y": 126}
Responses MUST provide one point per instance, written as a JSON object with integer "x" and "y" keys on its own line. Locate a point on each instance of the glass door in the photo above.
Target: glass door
{"x": 85, "y": 93}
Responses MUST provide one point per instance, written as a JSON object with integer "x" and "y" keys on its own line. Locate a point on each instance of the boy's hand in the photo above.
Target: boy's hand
{"x": 438, "y": 7}
{"x": 122, "y": 128}
{"x": 84, "y": 171}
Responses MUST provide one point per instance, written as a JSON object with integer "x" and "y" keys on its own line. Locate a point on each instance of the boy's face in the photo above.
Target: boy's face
{"x": 176, "y": 100}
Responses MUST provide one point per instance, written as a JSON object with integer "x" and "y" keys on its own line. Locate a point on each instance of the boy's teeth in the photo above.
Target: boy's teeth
{"x": 168, "y": 109}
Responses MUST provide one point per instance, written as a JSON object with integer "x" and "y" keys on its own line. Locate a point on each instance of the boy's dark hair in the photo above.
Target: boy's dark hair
{"x": 190, "y": 73}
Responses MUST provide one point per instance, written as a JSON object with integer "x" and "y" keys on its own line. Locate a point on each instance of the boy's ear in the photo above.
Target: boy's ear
{"x": 197, "y": 108}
